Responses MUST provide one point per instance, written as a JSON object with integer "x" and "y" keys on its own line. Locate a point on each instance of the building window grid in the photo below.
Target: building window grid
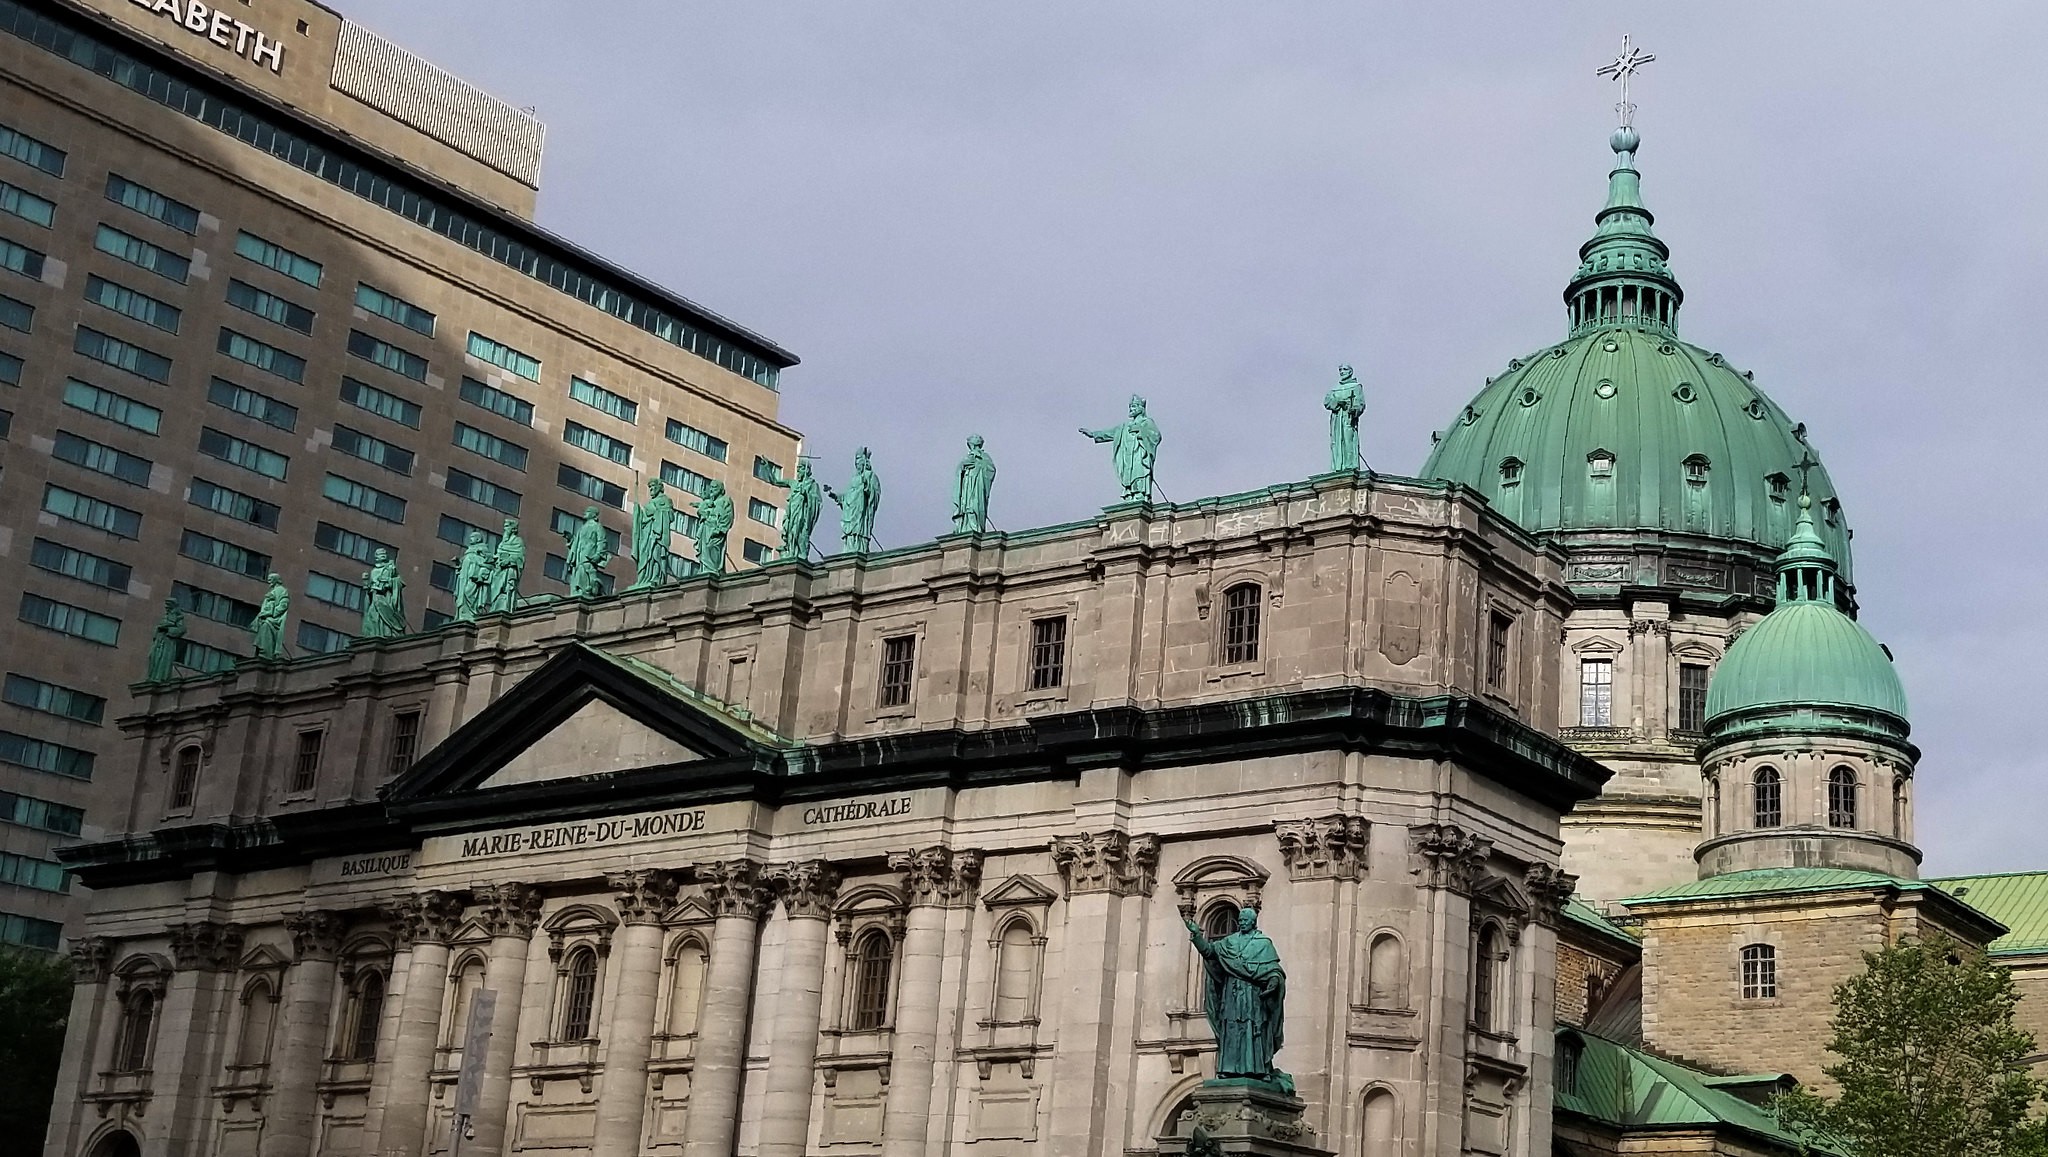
{"x": 497, "y": 353}
{"x": 223, "y": 555}
{"x": 152, "y": 204}
{"x": 269, "y": 306}
{"x": 306, "y": 761}
{"x": 232, "y": 503}
{"x": 133, "y": 304}
{"x": 347, "y": 543}
{"x": 1242, "y": 612}
{"x": 100, "y": 458}
{"x": 20, "y": 316}
{"x": 691, "y": 438}
{"x": 262, "y": 355}
{"x": 764, "y": 513}
{"x": 591, "y": 486}
{"x": 33, "y": 694}
{"x": 385, "y": 405}
{"x": 1048, "y": 652}
{"x": 45, "y": 756}
{"x": 508, "y": 406}
{"x": 394, "y": 308}
{"x": 84, "y": 566}
{"x": 603, "y": 445}
{"x": 604, "y": 401}
{"x": 85, "y": 510}
{"x": 26, "y": 811}
{"x": 899, "y": 669}
{"x": 124, "y": 246}
{"x": 29, "y": 932}
{"x": 375, "y": 451}
{"x": 483, "y": 445}
{"x": 213, "y": 605}
{"x": 248, "y": 455}
{"x": 16, "y": 201}
{"x": 1759, "y": 972}
{"x": 30, "y": 151}
{"x": 368, "y": 499}
{"x": 335, "y": 592}
{"x": 273, "y": 256}
{"x": 1596, "y": 692}
{"x": 400, "y": 361}
{"x": 109, "y": 350}
{"x": 463, "y": 484}
{"x": 21, "y": 259}
{"x": 253, "y": 404}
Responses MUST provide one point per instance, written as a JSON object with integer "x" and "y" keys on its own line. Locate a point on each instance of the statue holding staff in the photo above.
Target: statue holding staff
{"x": 1346, "y": 404}
{"x": 972, "y": 481}
{"x": 1136, "y": 440}
{"x": 507, "y": 564}
{"x": 653, "y": 519}
{"x": 858, "y": 504}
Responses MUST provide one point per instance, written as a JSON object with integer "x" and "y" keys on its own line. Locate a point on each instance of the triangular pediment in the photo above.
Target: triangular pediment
{"x": 1019, "y": 891}
{"x": 599, "y": 738}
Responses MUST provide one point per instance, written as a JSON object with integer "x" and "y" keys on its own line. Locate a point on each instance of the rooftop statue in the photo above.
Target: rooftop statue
{"x": 506, "y": 566}
{"x": 858, "y": 504}
{"x": 384, "y": 606}
{"x": 972, "y": 481}
{"x": 1346, "y": 404}
{"x": 1246, "y": 995}
{"x": 800, "y": 515}
{"x": 588, "y": 554}
{"x": 714, "y": 523}
{"x": 163, "y": 645}
{"x": 270, "y": 617}
{"x": 1137, "y": 449}
{"x": 653, "y": 520}
{"x": 473, "y": 578}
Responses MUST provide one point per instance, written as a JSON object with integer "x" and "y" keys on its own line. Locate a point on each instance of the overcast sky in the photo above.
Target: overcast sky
{"x": 1004, "y": 218}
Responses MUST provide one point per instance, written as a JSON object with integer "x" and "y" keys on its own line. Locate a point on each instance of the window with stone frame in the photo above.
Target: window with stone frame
{"x": 404, "y": 743}
{"x": 465, "y": 980}
{"x": 1048, "y": 652}
{"x": 899, "y": 670}
{"x": 1570, "y": 1049}
{"x": 1499, "y": 625}
{"x": 686, "y": 985}
{"x": 259, "y": 1018}
{"x": 1241, "y": 623}
{"x": 364, "y": 1013}
{"x": 1767, "y": 789}
{"x": 140, "y": 997}
{"x": 1489, "y": 967}
{"x": 869, "y": 968}
{"x": 1596, "y": 692}
{"x": 306, "y": 761}
{"x": 185, "y": 776}
{"x": 1386, "y": 973}
{"x": 1692, "y": 696}
{"x": 579, "y": 995}
{"x": 1759, "y": 972}
{"x": 1017, "y": 953}
{"x": 1842, "y": 803}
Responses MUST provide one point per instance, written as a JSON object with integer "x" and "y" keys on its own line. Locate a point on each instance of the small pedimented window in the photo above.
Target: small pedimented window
{"x": 1511, "y": 472}
{"x": 465, "y": 980}
{"x": 1696, "y": 468}
{"x": 1489, "y": 978}
{"x": 1600, "y": 464}
{"x": 1780, "y": 486}
{"x": 139, "y": 996}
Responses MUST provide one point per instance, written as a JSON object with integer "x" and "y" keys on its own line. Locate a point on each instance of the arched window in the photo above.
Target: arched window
{"x": 462, "y": 990}
{"x": 1769, "y": 806}
{"x": 185, "y": 777}
{"x": 1016, "y": 973}
{"x": 1488, "y": 960}
{"x": 138, "y": 1032}
{"x": 1382, "y": 1122}
{"x": 259, "y": 1013}
{"x": 873, "y": 956}
{"x": 1220, "y": 920}
{"x": 1842, "y": 798}
{"x": 1759, "y": 972}
{"x": 1386, "y": 973}
{"x": 686, "y": 988}
{"x": 579, "y": 994}
{"x": 1241, "y": 623}
{"x": 368, "y": 1009}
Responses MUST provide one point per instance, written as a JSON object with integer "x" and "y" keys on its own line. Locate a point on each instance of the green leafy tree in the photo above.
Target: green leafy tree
{"x": 1932, "y": 1064}
{"x": 35, "y": 997}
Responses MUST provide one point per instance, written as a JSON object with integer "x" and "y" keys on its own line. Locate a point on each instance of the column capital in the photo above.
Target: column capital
{"x": 939, "y": 877}
{"x": 205, "y": 946}
{"x": 91, "y": 958}
{"x": 432, "y": 916}
{"x": 315, "y": 933}
{"x": 642, "y": 895}
{"x": 509, "y": 911}
{"x": 1325, "y": 848}
{"x": 1452, "y": 858}
{"x": 809, "y": 888}
{"x": 1113, "y": 861}
{"x": 734, "y": 888}
{"x": 1549, "y": 890}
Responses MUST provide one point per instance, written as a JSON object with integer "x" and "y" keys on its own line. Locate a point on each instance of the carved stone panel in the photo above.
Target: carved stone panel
{"x": 1325, "y": 848}
{"x": 1450, "y": 857}
{"x": 1112, "y": 861}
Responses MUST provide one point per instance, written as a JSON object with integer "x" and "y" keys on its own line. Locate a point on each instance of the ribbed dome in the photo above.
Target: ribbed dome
{"x": 1806, "y": 654}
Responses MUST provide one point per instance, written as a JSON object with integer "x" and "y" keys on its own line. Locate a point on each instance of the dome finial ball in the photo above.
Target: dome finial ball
{"x": 1624, "y": 140}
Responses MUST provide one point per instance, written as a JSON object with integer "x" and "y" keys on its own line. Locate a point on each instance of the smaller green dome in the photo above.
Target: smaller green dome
{"x": 1806, "y": 654}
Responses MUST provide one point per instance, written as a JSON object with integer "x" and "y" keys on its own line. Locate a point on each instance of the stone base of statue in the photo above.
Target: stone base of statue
{"x": 1241, "y": 1116}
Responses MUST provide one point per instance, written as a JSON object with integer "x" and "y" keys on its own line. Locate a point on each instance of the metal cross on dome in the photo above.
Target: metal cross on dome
{"x": 1625, "y": 66}
{"x": 1805, "y": 467}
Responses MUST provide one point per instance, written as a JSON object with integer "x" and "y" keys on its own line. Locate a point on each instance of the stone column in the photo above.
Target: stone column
{"x": 1325, "y": 858}
{"x": 91, "y": 963}
{"x": 302, "y": 1044}
{"x": 190, "y": 1029}
{"x": 934, "y": 880}
{"x": 1100, "y": 870}
{"x": 429, "y": 920}
{"x": 808, "y": 890}
{"x": 1549, "y": 890}
{"x": 1451, "y": 861}
{"x": 736, "y": 895}
{"x": 643, "y": 896}
{"x": 510, "y": 912}
{"x": 1650, "y": 651}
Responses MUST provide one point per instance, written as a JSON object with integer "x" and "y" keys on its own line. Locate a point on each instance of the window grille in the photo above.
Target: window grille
{"x": 1759, "y": 972}
{"x": 1692, "y": 696}
{"x": 1241, "y": 623}
{"x": 1770, "y": 802}
{"x": 899, "y": 669}
{"x": 1048, "y": 652}
{"x": 1596, "y": 692}
{"x": 306, "y": 765}
{"x": 1841, "y": 798}
{"x": 579, "y": 995}
{"x": 1498, "y": 626}
{"x": 185, "y": 778}
{"x": 873, "y": 955}
{"x": 405, "y": 738}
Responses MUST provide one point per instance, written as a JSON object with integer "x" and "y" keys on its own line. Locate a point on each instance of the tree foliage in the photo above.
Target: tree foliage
{"x": 35, "y": 997}
{"x": 1931, "y": 1062}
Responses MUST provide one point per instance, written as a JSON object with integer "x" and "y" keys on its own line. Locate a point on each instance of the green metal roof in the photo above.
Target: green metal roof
{"x": 1584, "y": 914}
{"x": 737, "y": 717}
{"x": 1806, "y": 654}
{"x": 1632, "y": 1090}
{"x": 1761, "y": 881}
{"x": 2018, "y": 900}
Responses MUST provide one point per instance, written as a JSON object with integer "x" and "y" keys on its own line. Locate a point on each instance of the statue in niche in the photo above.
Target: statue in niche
{"x": 800, "y": 514}
{"x": 1346, "y": 404}
{"x": 714, "y": 523}
{"x": 384, "y": 603}
{"x": 972, "y": 481}
{"x": 473, "y": 578}
{"x": 163, "y": 644}
{"x": 1136, "y": 440}
{"x": 588, "y": 554}
{"x": 653, "y": 520}
{"x": 858, "y": 504}
{"x": 269, "y": 625}
{"x": 506, "y": 566}
{"x": 1246, "y": 991}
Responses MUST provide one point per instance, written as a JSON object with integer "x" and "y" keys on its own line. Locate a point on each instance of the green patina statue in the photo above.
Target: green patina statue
{"x": 858, "y": 504}
{"x": 270, "y": 617}
{"x": 1246, "y": 991}
{"x": 800, "y": 515}
{"x": 588, "y": 554}
{"x": 714, "y": 523}
{"x": 1346, "y": 404}
{"x": 384, "y": 604}
{"x": 1137, "y": 450}
{"x": 507, "y": 564}
{"x": 972, "y": 481}
{"x": 163, "y": 645}
{"x": 653, "y": 520}
{"x": 473, "y": 579}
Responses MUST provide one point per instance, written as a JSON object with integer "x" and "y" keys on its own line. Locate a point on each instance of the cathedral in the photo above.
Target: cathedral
{"x": 1562, "y": 777}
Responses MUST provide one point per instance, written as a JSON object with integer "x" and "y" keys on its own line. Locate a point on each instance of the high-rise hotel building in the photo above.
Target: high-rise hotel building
{"x": 271, "y": 297}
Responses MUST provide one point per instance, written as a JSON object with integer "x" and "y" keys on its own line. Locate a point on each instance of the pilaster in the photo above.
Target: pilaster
{"x": 428, "y": 922}
{"x": 190, "y": 1035}
{"x": 308, "y": 995}
{"x": 1101, "y": 871}
{"x": 808, "y": 890}
{"x": 736, "y": 893}
{"x": 935, "y": 880}
{"x": 642, "y": 897}
{"x": 509, "y": 912}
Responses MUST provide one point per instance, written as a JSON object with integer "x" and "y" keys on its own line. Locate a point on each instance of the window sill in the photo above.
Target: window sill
{"x": 1238, "y": 671}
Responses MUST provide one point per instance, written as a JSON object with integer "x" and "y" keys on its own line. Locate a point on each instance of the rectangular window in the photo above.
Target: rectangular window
{"x": 454, "y": 531}
{"x": 691, "y": 438}
{"x": 442, "y": 577}
{"x": 403, "y": 362}
{"x": 761, "y": 512}
{"x": 375, "y": 451}
{"x": 29, "y": 932}
{"x": 86, "y": 510}
{"x": 465, "y": 485}
{"x": 590, "y": 486}
{"x": 21, "y": 259}
{"x": 315, "y": 639}
{"x": 23, "y": 871}
{"x": 73, "y": 563}
{"x": 347, "y": 543}
{"x": 490, "y": 446}
{"x": 6, "y": 423}
{"x": 269, "y": 306}
{"x": 224, "y": 555}
{"x": 497, "y": 401}
{"x": 391, "y": 307}
{"x": 66, "y": 619}
{"x": 598, "y": 398}
{"x": 684, "y": 478}
{"x": 264, "y": 356}
{"x": 1596, "y": 692}
{"x": 19, "y": 202}
{"x": 44, "y": 816}
{"x": 248, "y": 455}
{"x": 899, "y": 669}
{"x": 196, "y": 656}
{"x": 767, "y": 471}
{"x": 335, "y": 592}
{"x": 30, "y": 151}
{"x": 271, "y": 255}
{"x": 150, "y": 203}
{"x": 112, "y": 351}
{"x": 584, "y": 438}
{"x": 504, "y": 357}
{"x": 15, "y": 315}
{"x": 141, "y": 254}
{"x": 214, "y": 605}
{"x": 100, "y": 459}
{"x": 757, "y": 553}
{"x": 564, "y": 523}
{"x": 1692, "y": 696}
{"x": 233, "y": 503}
{"x": 113, "y": 407}
{"x": 405, "y": 740}
{"x": 251, "y": 404}
{"x": 368, "y": 499}
{"x": 52, "y": 699}
{"x": 1497, "y": 627}
{"x": 131, "y": 303}
{"x": 10, "y": 366}
{"x": 39, "y": 755}
{"x": 306, "y": 763}
{"x": 1759, "y": 972}
{"x": 1048, "y": 652}
{"x": 376, "y": 401}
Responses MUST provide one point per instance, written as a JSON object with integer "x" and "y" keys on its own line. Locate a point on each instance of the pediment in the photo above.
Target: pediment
{"x": 1502, "y": 893}
{"x": 263, "y": 956}
{"x": 1017, "y": 892}
{"x": 599, "y": 738}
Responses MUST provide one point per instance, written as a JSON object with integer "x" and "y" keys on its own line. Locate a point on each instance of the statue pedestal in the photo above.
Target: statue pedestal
{"x": 1239, "y": 1116}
